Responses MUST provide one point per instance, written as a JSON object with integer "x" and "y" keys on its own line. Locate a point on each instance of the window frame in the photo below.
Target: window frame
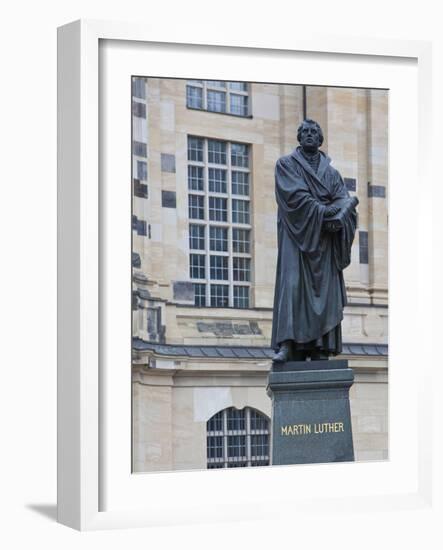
{"x": 213, "y": 207}
{"x": 226, "y": 424}
{"x": 210, "y": 86}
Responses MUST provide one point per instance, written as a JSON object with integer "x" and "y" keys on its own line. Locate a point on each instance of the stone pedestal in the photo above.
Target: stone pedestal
{"x": 311, "y": 417}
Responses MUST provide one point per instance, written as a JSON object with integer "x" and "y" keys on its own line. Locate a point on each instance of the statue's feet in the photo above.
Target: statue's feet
{"x": 283, "y": 355}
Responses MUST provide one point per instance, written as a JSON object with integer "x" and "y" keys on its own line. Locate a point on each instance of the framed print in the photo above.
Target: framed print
{"x": 167, "y": 269}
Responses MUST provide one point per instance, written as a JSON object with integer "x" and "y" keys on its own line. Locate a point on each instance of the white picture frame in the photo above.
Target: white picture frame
{"x": 96, "y": 490}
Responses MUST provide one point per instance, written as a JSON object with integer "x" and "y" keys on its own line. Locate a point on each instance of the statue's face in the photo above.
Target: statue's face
{"x": 310, "y": 138}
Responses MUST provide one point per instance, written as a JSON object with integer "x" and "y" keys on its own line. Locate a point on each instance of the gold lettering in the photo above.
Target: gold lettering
{"x": 305, "y": 429}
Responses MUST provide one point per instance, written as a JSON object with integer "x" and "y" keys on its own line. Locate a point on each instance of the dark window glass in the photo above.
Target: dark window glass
{"x": 194, "y": 97}
{"x": 142, "y": 170}
{"x": 219, "y": 295}
{"x": 218, "y": 209}
{"x": 240, "y": 155}
{"x": 197, "y": 237}
{"x": 216, "y": 84}
{"x": 140, "y": 149}
{"x": 240, "y": 211}
{"x": 241, "y": 269}
{"x": 139, "y": 88}
{"x": 139, "y": 109}
{"x": 196, "y": 207}
{"x": 218, "y": 239}
{"x": 241, "y": 296}
{"x": 239, "y": 104}
{"x": 195, "y": 178}
{"x": 238, "y": 86}
{"x": 219, "y": 268}
{"x": 197, "y": 266}
{"x": 216, "y": 151}
{"x": 240, "y": 183}
{"x": 215, "y": 423}
{"x": 217, "y": 180}
{"x": 236, "y": 419}
{"x": 259, "y": 445}
{"x": 214, "y": 447}
{"x": 195, "y": 149}
{"x": 240, "y": 240}
{"x": 258, "y": 421}
{"x": 216, "y": 101}
{"x": 199, "y": 294}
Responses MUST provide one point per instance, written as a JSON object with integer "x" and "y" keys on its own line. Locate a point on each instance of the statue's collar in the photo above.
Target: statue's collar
{"x": 323, "y": 165}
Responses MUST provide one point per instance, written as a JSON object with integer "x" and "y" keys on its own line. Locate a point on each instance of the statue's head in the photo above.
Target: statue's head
{"x": 310, "y": 135}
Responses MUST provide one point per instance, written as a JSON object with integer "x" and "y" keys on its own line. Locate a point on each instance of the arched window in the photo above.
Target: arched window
{"x": 237, "y": 438}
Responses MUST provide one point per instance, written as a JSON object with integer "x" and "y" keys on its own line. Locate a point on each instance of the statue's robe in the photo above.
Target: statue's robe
{"x": 309, "y": 292}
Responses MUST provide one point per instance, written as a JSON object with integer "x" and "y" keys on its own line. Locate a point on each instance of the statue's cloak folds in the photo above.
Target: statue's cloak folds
{"x": 309, "y": 291}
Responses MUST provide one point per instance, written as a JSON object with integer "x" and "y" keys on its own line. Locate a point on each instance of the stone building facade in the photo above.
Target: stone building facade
{"x": 204, "y": 257}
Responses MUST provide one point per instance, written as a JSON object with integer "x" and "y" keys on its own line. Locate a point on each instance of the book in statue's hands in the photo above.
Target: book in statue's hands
{"x": 335, "y": 223}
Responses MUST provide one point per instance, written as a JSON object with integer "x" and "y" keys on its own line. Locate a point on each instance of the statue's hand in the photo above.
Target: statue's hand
{"x": 331, "y": 211}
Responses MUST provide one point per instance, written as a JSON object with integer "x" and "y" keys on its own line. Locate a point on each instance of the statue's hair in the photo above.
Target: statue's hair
{"x": 310, "y": 121}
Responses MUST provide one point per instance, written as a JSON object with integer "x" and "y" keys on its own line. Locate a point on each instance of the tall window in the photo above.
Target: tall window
{"x": 218, "y": 96}
{"x": 237, "y": 438}
{"x": 219, "y": 222}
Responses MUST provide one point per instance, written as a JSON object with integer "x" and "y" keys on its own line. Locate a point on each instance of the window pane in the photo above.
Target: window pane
{"x": 238, "y": 86}
{"x": 260, "y": 445}
{"x": 216, "y": 83}
{"x": 239, "y": 105}
{"x": 240, "y": 211}
{"x": 219, "y": 295}
{"x": 216, "y": 151}
{"x": 236, "y": 419}
{"x": 219, "y": 267}
{"x": 240, "y": 240}
{"x": 196, "y": 207}
{"x": 139, "y": 109}
{"x": 197, "y": 266}
{"x": 241, "y": 269}
{"x": 197, "y": 237}
{"x": 140, "y": 149}
{"x": 216, "y": 101}
{"x": 214, "y": 447}
{"x": 194, "y": 97}
{"x": 195, "y": 82}
{"x": 139, "y": 88}
{"x": 218, "y": 209}
{"x": 199, "y": 294}
{"x": 195, "y": 178}
{"x": 215, "y": 423}
{"x": 195, "y": 149}
{"x": 218, "y": 239}
{"x": 241, "y": 296}
{"x": 240, "y": 155}
{"x": 142, "y": 170}
{"x": 240, "y": 183}
{"x": 227, "y": 443}
{"x": 236, "y": 446}
{"x": 217, "y": 180}
{"x": 259, "y": 421}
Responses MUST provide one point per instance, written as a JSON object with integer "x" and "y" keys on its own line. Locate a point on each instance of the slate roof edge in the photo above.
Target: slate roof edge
{"x": 244, "y": 352}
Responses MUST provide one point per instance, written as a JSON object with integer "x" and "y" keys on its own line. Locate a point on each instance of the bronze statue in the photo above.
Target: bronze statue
{"x": 316, "y": 225}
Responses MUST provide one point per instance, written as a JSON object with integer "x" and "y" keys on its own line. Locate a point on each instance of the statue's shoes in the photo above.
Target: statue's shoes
{"x": 282, "y": 356}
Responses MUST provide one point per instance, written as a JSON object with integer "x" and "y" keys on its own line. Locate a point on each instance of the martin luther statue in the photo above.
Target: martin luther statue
{"x": 316, "y": 225}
